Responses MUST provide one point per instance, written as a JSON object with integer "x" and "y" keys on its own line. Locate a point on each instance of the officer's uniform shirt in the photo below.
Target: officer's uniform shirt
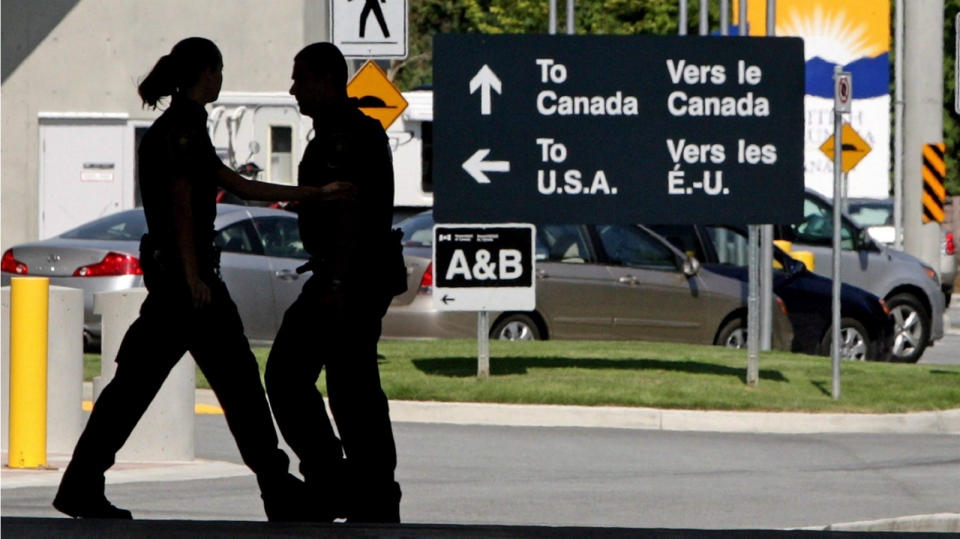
{"x": 348, "y": 238}
{"x": 178, "y": 145}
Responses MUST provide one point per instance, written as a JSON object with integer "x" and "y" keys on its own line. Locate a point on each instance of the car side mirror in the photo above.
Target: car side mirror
{"x": 868, "y": 242}
{"x": 691, "y": 266}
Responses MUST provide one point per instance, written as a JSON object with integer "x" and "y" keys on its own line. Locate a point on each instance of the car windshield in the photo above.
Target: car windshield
{"x": 817, "y": 226}
{"x": 123, "y": 226}
{"x": 733, "y": 249}
{"x": 871, "y": 214}
{"x": 418, "y": 230}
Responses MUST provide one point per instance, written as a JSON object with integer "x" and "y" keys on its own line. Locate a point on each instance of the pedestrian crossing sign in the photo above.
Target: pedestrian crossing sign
{"x": 369, "y": 28}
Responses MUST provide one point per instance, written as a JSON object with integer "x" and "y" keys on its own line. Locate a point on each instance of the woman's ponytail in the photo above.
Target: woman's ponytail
{"x": 179, "y": 70}
{"x": 159, "y": 83}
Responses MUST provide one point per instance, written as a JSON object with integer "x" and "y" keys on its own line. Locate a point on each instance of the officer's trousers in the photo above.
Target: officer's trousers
{"x": 314, "y": 336}
{"x": 168, "y": 327}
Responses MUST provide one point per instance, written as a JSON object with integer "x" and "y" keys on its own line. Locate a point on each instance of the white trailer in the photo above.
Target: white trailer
{"x": 268, "y": 130}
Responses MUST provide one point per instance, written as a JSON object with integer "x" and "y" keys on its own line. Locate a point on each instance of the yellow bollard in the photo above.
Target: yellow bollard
{"x": 29, "y": 305}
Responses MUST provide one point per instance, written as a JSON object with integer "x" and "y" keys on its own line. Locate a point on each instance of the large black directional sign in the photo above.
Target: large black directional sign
{"x": 484, "y": 267}
{"x": 600, "y": 129}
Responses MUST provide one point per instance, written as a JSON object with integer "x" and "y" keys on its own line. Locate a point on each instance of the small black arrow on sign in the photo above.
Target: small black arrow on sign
{"x": 447, "y": 299}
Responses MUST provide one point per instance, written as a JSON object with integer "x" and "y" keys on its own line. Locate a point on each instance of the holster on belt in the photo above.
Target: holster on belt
{"x": 156, "y": 259}
{"x": 311, "y": 265}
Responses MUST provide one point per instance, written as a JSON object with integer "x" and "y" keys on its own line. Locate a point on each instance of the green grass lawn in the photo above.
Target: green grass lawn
{"x": 659, "y": 375}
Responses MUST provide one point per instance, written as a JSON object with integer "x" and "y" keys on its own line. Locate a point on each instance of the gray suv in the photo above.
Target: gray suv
{"x": 910, "y": 288}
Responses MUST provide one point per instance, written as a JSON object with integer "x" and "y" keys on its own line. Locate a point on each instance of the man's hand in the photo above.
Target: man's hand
{"x": 334, "y": 191}
{"x": 333, "y": 300}
{"x": 200, "y": 293}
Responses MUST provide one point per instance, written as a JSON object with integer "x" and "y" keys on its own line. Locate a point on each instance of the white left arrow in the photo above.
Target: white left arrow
{"x": 476, "y": 166}
{"x": 485, "y": 79}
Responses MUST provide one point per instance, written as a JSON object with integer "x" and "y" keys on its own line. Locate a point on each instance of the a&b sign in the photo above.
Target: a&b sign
{"x": 484, "y": 267}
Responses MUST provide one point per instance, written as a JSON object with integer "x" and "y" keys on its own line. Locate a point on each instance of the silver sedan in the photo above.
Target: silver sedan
{"x": 261, "y": 250}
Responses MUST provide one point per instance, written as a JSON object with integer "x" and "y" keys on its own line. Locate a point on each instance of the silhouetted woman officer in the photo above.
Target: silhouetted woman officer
{"x": 188, "y": 307}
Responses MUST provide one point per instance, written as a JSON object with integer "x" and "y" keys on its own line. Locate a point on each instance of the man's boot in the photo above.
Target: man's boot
{"x": 84, "y": 498}
{"x": 285, "y": 498}
{"x": 379, "y": 505}
{"x": 325, "y": 488}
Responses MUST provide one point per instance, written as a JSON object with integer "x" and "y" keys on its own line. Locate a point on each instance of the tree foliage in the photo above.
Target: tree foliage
{"x": 951, "y": 121}
{"x": 430, "y": 17}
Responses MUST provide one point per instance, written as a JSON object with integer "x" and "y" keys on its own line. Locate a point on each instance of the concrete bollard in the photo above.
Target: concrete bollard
{"x": 64, "y": 368}
{"x": 165, "y": 433}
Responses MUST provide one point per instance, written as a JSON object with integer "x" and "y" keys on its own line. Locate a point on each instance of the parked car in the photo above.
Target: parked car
{"x": 876, "y": 215}
{"x": 910, "y": 288}
{"x": 261, "y": 249}
{"x": 866, "y": 327}
{"x": 607, "y": 282}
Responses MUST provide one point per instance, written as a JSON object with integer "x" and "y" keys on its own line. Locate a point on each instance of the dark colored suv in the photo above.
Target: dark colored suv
{"x": 866, "y": 327}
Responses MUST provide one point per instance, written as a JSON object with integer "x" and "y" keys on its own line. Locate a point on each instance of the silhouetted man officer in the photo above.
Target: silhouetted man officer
{"x": 335, "y": 323}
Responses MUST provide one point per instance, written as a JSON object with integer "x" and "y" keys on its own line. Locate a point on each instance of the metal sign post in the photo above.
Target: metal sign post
{"x": 483, "y": 345}
{"x": 843, "y": 95}
{"x": 753, "y": 312}
{"x": 484, "y": 268}
{"x": 758, "y": 313}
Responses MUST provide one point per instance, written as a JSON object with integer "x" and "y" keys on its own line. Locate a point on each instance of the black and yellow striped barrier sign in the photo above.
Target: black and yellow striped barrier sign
{"x": 934, "y": 172}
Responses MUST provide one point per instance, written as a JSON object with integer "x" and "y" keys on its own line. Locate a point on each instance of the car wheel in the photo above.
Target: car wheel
{"x": 733, "y": 334}
{"x": 516, "y": 327}
{"x": 855, "y": 342}
{"x": 911, "y": 331}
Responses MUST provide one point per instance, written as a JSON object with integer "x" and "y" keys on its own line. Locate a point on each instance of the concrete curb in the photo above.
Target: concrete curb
{"x": 938, "y": 523}
{"x": 524, "y": 415}
{"x": 621, "y": 417}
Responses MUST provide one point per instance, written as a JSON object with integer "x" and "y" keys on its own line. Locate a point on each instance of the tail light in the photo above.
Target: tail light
{"x": 10, "y": 264}
{"x": 426, "y": 283}
{"x": 951, "y": 245}
{"x": 113, "y": 264}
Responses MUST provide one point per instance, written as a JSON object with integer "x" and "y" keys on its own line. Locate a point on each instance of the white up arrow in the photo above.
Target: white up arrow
{"x": 476, "y": 166}
{"x": 485, "y": 79}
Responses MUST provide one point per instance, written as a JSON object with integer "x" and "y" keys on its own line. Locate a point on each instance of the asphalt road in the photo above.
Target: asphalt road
{"x": 601, "y": 477}
{"x": 945, "y": 352}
